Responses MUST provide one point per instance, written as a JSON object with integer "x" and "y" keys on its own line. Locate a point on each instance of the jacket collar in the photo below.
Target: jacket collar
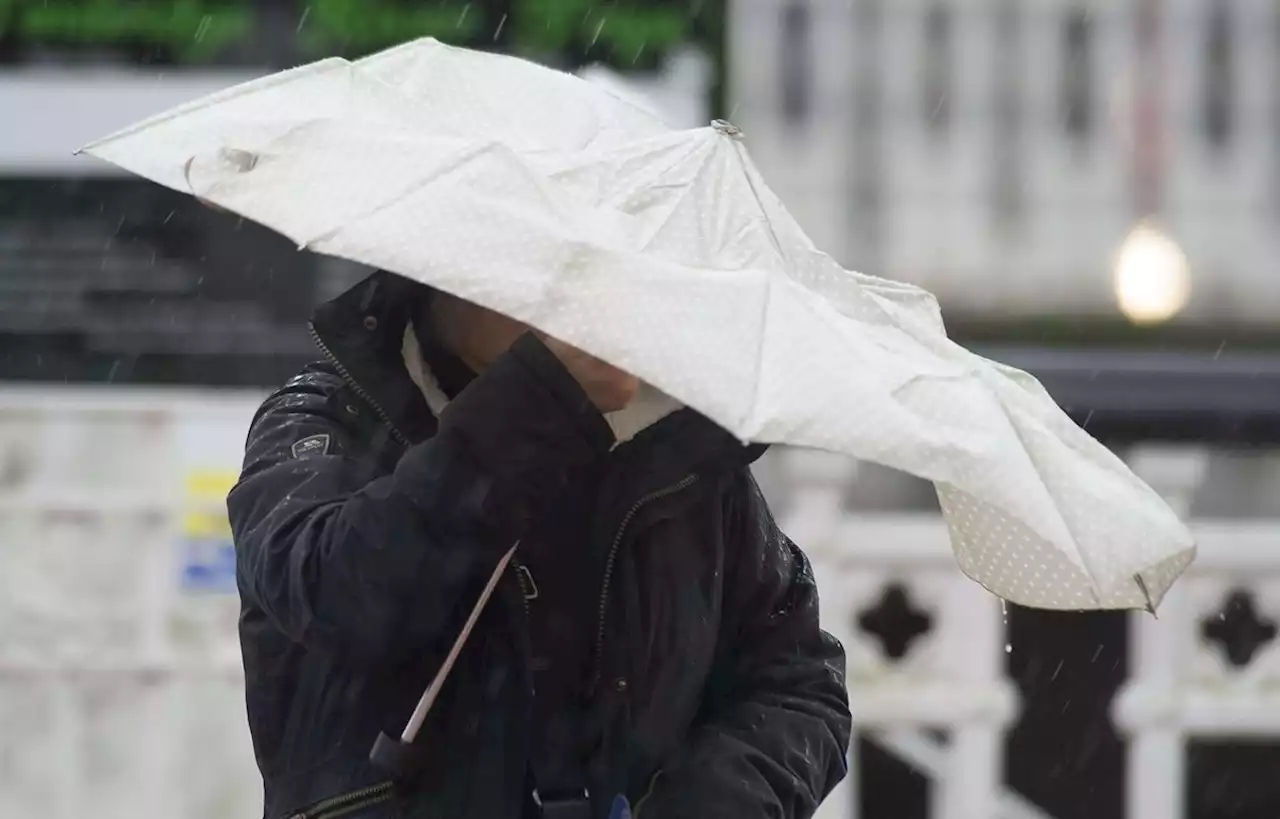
{"x": 363, "y": 332}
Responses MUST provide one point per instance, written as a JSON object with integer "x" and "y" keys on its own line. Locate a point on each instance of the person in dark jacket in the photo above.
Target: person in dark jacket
{"x": 655, "y": 637}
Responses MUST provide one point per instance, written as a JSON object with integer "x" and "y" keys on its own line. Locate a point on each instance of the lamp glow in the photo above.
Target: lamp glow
{"x": 1152, "y": 277}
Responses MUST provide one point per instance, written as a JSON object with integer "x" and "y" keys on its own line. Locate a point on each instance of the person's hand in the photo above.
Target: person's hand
{"x": 478, "y": 336}
{"x": 608, "y": 387}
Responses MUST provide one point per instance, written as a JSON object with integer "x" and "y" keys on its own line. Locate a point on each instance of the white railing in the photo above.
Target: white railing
{"x": 120, "y": 689}
{"x": 1182, "y": 687}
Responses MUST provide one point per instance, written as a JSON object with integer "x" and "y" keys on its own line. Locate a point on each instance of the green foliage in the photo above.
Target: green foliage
{"x": 624, "y": 33}
{"x": 192, "y": 30}
{"x": 362, "y": 26}
{"x": 617, "y": 31}
{"x": 620, "y": 32}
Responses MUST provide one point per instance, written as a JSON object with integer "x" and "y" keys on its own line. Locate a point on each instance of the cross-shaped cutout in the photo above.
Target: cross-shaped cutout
{"x": 895, "y": 621}
{"x": 1238, "y": 629}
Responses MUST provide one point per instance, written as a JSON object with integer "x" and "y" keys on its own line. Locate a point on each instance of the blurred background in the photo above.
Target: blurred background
{"x": 1091, "y": 188}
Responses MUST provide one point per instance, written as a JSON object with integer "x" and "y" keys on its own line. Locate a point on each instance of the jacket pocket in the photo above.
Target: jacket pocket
{"x": 348, "y": 804}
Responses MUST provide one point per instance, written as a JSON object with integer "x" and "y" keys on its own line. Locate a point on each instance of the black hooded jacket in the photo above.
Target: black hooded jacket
{"x": 365, "y": 528}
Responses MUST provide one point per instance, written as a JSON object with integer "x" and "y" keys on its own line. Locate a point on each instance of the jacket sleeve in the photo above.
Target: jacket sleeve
{"x": 772, "y": 738}
{"x": 370, "y": 568}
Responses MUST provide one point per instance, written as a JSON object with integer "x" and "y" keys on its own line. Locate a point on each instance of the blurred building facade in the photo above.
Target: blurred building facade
{"x": 998, "y": 152}
{"x": 1001, "y": 153}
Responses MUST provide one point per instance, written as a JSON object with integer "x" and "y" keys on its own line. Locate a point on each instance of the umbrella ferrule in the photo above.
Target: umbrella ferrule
{"x": 727, "y": 128}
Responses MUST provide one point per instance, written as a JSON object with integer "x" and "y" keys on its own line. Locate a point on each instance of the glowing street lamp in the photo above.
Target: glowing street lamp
{"x": 1152, "y": 277}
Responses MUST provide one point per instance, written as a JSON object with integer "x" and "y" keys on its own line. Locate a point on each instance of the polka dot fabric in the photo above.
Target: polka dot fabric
{"x": 550, "y": 199}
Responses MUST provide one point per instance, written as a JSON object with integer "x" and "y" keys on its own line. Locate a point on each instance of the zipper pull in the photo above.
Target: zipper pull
{"x": 527, "y": 586}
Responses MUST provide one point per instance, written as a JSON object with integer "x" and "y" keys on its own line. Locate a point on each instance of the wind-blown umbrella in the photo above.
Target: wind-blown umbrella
{"x": 663, "y": 252}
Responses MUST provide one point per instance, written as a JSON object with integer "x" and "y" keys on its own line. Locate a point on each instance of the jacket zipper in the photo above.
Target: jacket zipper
{"x": 359, "y": 390}
{"x": 602, "y": 611}
{"x": 348, "y": 803}
{"x": 519, "y": 570}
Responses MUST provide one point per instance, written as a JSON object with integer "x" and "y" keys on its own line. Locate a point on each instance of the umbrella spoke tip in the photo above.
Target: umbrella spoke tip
{"x": 727, "y": 128}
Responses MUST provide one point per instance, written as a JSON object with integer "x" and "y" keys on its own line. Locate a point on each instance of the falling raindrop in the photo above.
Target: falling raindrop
{"x": 596, "y": 35}
{"x": 497, "y": 32}
{"x": 636, "y": 57}
{"x": 203, "y": 28}
{"x": 302, "y": 21}
{"x": 463, "y": 16}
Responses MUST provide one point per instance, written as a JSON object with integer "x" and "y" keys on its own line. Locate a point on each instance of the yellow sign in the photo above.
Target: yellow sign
{"x": 205, "y": 513}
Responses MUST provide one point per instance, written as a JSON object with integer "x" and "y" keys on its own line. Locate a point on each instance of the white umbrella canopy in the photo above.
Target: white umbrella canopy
{"x": 663, "y": 252}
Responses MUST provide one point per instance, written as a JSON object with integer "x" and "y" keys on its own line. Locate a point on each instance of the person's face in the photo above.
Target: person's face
{"x": 475, "y": 334}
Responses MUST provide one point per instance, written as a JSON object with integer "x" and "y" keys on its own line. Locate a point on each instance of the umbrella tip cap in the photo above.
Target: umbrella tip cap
{"x": 727, "y": 128}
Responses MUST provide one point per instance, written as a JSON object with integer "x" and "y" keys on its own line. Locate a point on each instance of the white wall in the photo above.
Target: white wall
{"x": 120, "y": 685}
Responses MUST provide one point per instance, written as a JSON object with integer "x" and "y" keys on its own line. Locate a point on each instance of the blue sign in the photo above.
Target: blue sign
{"x": 208, "y": 566}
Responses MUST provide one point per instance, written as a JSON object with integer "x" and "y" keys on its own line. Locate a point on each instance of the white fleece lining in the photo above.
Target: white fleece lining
{"x": 649, "y": 407}
{"x": 421, "y": 373}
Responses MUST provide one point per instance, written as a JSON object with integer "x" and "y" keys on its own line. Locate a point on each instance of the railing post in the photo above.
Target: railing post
{"x": 1156, "y": 769}
{"x": 974, "y": 775}
{"x": 812, "y": 510}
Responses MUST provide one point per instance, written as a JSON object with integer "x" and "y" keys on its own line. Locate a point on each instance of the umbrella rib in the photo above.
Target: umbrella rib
{"x": 768, "y": 293}
{"x": 773, "y": 236}
{"x": 671, "y": 211}
{"x": 759, "y": 363}
{"x": 1093, "y": 581}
